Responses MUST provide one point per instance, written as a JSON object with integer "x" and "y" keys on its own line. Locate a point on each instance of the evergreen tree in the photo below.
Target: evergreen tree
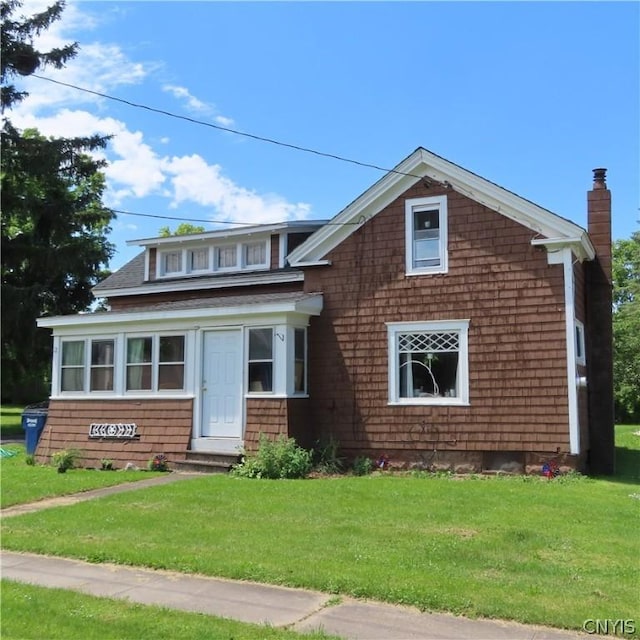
{"x": 54, "y": 227}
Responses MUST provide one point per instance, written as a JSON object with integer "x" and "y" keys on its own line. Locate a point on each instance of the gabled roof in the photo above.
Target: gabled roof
{"x": 425, "y": 164}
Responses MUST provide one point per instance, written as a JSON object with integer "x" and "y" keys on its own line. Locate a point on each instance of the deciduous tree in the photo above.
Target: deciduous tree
{"x": 626, "y": 329}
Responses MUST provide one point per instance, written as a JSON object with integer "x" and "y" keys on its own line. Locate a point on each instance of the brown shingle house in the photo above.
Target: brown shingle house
{"x": 439, "y": 319}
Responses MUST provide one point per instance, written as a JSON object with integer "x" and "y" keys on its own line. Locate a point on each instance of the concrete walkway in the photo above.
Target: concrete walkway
{"x": 297, "y": 609}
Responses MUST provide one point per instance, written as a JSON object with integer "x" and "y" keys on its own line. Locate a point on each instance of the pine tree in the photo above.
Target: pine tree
{"x": 54, "y": 226}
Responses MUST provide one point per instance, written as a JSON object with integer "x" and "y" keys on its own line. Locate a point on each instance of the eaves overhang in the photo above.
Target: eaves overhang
{"x": 294, "y": 226}
{"x": 237, "y": 307}
{"x": 420, "y": 165}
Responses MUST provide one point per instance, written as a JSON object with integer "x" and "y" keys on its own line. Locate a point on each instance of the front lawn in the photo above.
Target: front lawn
{"x": 522, "y": 548}
{"x": 548, "y": 552}
{"x": 67, "y": 615}
{"x": 22, "y": 483}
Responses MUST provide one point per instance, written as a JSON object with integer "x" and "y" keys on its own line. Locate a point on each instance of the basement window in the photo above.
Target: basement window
{"x": 428, "y": 362}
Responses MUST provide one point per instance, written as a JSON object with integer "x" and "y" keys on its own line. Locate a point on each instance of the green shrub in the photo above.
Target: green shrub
{"x": 362, "y": 466}
{"x": 275, "y": 459}
{"x": 65, "y": 459}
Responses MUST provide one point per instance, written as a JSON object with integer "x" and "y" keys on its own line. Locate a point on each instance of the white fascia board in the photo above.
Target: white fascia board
{"x": 249, "y": 231}
{"x": 371, "y": 202}
{"x": 195, "y": 283}
{"x": 424, "y": 164}
{"x": 305, "y": 307}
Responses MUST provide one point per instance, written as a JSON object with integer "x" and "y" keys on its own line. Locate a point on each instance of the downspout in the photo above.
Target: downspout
{"x": 564, "y": 256}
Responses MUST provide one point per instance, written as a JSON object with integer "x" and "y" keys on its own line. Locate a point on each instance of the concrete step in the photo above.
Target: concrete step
{"x": 205, "y": 462}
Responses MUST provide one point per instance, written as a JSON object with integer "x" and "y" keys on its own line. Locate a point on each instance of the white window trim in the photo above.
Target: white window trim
{"x": 155, "y": 363}
{"x": 581, "y": 356}
{"x": 189, "y": 253}
{"x": 243, "y": 257}
{"x": 276, "y": 387}
{"x": 396, "y": 328}
{"x": 291, "y": 360}
{"x": 119, "y": 367}
{"x": 162, "y": 272}
{"x": 410, "y": 206}
{"x": 214, "y": 251}
{"x": 87, "y": 367}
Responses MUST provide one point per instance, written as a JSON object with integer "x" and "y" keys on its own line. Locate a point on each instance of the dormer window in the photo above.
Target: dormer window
{"x": 227, "y": 257}
{"x": 171, "y": 262}
{"x": 223, "y": 257}
{"x": 254, "y": 254}
{"x": 199, "y": 259}
{"x": 426, "y": 235}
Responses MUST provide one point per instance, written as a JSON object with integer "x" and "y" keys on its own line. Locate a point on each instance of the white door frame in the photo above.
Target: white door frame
{"x": 213, "y": 443}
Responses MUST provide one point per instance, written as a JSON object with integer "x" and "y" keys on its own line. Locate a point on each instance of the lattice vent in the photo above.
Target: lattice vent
{"x": 428, "y": 342}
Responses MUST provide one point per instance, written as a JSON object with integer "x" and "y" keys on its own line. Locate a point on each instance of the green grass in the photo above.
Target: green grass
{"x": 547, "y": 552}
{"x": 22, "y": 483}
{"x": 11, "y": 422}
{"x": 628, "y": 453}
{"x": 66, "y": 615}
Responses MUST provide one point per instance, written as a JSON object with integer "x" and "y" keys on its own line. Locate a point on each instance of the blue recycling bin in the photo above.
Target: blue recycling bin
{"x": 33, "y": 421}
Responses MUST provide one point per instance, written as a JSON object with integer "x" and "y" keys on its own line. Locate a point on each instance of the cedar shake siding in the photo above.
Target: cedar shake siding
{"x": 514, "y": 301}
{"x": 163, "y": 426}
{"x": 277, "y": 416}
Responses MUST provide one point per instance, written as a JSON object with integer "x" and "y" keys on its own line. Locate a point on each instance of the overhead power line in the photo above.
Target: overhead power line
{"x": 360, "y": 220}
{"x": 204, "y": 123}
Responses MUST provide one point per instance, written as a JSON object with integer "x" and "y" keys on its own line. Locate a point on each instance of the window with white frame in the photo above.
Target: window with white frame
{"x": 155, "y": 363}
{"x": 139, "y": 364}
{"x": 227, "y": 257}
{"x": 428, "y": 362}
{"x": 198, "y": 259}
{"x": 171, "y": 362}
{"x": 171, "y": 262}
{"x": 426, "y": 235}
{"x": 254, "y": 254}
{"x": 72, "y": 366}
{"x": 102, "y": 365}
{"x": 260, "y": 360}
{"x": 300, "y": 361}
{"x": 581, "y": 357}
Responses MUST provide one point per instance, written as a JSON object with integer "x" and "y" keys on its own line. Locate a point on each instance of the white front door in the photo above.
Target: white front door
{"x": 222, "y": 387}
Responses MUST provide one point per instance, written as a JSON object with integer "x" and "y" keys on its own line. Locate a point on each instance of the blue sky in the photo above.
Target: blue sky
{"x": 531, "y": 96}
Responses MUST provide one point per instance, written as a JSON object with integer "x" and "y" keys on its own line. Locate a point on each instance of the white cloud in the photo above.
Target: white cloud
{"x": 224, "y": 121}
{"x": 135, "y": 169}
{"x": 196, "y": 181}
{"x": 193, "y": 103}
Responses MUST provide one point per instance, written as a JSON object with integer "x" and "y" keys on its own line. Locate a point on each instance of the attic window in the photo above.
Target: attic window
{"x": 426, "y": 235}
{"x": 171, "y": 262}
{"x": 227, "y": 257}
{"x": 254, "y": 254}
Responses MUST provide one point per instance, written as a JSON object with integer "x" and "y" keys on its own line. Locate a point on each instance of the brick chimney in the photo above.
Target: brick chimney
{"x": 599, "y": 334}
